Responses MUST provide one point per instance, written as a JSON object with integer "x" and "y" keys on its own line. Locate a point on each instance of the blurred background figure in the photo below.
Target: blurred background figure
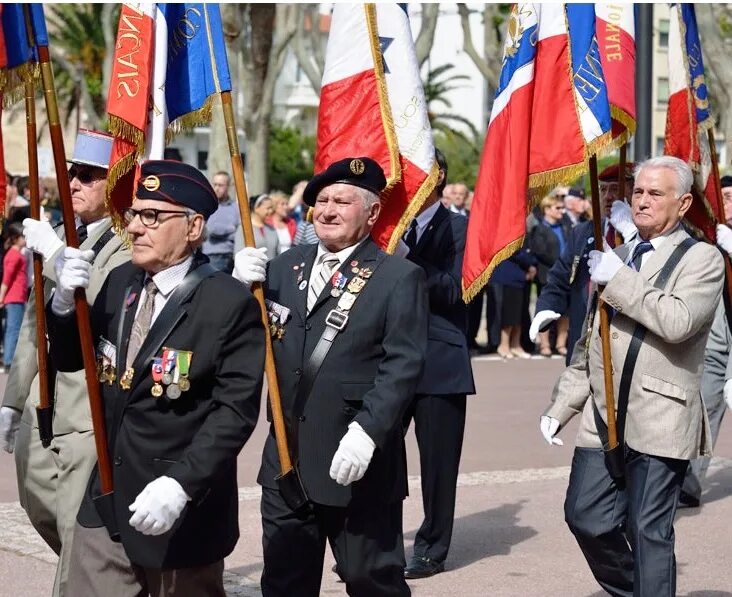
{"x": 576, "y": 206}
{"x": 284, "y": 225}
{"x": 14, "y": 288}
{"x": 459, "y": 198}
{"x": 222, "y": 226}
{"x": 265, "y": 237}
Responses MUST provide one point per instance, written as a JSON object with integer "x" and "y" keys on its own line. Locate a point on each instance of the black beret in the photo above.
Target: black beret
{"x": 177, "y": 183}
{"x": 576, "y": 192}
{"x": 726, "y": 181}
{"x": 359, "y": 172}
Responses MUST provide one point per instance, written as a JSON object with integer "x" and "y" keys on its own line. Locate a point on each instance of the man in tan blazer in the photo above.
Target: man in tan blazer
{"x": 51, "y": 481}
{"x": 625, "y": 528}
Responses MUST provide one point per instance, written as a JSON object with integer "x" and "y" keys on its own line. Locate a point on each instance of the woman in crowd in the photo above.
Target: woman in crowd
{"x": 547, "y": 241}
{"x": 14, "y": 288}
{"x": 265, "y": 236}
{"x": 283, "y": 224}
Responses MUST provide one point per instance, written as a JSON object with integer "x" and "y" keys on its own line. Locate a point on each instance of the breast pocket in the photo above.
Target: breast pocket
{"x": 660, "y": 386}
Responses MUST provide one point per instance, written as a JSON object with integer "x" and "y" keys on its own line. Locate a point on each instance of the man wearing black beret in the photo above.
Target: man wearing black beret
{"x": 350, "y": 336}
{"x": 180, "y": 352}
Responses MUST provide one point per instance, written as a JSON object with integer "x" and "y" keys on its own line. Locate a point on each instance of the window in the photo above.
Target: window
{"x": 662, "y": 91}
{"x": 663, "y": 33}
{"x": 660, "y": 141}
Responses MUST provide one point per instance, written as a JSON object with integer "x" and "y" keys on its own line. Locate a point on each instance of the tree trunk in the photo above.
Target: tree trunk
{"x": 258, "y": 159}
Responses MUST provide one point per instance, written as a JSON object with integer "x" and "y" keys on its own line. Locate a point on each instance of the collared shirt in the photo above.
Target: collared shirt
{"x": 221, "y": 228}
{"x": 167, "y": 281}
{"x": 424, "y": 219}
{"x": 342, "y": 255}
{"x": 462, "y": 211}
{"x": 656, "y": 242}
{"x": 90, "y": 228}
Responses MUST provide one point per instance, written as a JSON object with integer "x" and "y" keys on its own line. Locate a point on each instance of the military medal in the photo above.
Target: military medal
{"x": 346, "y": 301}
{"x": 157, "y": 375}
{"x": 365, "y": 272}
{"x": 169, "y": 357}
{"x": 356, "y": 285}
{"x": 125, "y": 382}
{"x": 173, "y": 391}
{"x": 106, "y": 356}
{"x": 339, "y": 281}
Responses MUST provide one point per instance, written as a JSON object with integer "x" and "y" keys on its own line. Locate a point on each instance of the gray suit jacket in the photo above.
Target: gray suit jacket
{"x": 71, "y": 408}
{"x": 666, "y": 416}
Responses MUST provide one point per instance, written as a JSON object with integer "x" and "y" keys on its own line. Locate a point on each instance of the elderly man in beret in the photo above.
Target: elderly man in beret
{"x": 350, "y": 336}
{"x": 180, "y": 352}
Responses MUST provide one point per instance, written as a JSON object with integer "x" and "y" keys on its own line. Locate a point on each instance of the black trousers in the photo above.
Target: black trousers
{"x": 439, "y": 422}
{"x": 626, "y": 533}
{"x": 366, "y": 539}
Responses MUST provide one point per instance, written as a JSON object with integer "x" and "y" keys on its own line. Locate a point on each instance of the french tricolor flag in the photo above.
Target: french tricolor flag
{"x": 550, "y": 114}
{"x": 372, "y": 104}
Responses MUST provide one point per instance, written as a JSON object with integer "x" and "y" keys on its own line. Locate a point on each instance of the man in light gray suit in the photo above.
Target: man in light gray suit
{"x": 52, "y": 481}
{"x": 625, "y": 527}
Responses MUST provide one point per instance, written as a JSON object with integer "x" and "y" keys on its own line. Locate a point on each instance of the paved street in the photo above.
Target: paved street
{"x": 510, "y": 538}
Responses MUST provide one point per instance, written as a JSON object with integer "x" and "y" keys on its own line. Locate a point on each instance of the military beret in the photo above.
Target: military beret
{"x": 576, "y": 192}
{"x": 610, "y": 174}
{"x": 177, "y": 183}
{"x": 360, "y": 172}
{"x": 726, "y": 181}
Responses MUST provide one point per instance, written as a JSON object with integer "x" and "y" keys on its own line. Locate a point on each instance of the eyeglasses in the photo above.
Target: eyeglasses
{"x": 149, "y": 216}
{"x": 85, "y": 174}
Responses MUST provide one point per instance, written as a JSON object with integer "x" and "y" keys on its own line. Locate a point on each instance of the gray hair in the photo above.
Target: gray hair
{"x": 684, "y": 176}
{"x": 369, "y": 197}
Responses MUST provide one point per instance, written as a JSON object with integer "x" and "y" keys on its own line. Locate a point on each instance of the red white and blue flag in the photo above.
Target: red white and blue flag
{"x": 372, "y": 104}
{"x": 688, "y": 117}
{"x": 550, "y": 114}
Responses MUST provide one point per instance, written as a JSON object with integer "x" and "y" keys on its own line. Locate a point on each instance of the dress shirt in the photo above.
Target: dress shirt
{"x": 424, "y": 219}
{"x": 342, "y": 255}
{"x": 656, "y": 242}
{"x": 166, "y": 281}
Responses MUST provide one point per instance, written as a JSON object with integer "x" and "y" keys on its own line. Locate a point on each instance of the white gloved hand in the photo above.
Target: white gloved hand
{"x": 9, "y": 424}
{"x": 728, "y": 393}
{"x": 549, "y": 427}
{"x": 603, "y": 266}
{"x": 541, "y": 319}
{"x": 724, "y": 238}
{"x": 72, "y": 271}
{"x": 158, "y": 506}
{"x": 250, "y": 264}
{"x": 40, "y": 237}
{"x": 402, "y": 249}
{"x": 621, "y": 217}
{"x": 353, "y": 456}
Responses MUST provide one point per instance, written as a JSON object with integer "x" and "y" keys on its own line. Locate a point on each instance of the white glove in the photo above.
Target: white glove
{"x": 541, "y": 319}
{"x": 724, "y": 238}
{"x": 621, "y": 217}
{"x": 249, "y": 265}
{"x": 158, "y": 506}
{"x": 72, "y": 272}
{"x": 728, "y": 393}
{"x": 549, "y": 427}
{"x": 603, "y": 266}
{"x": 9, "y": 424}
{"x": 402, "y": 249}
{"x": 353, "y": 456}
{"x": 41, "y": 238}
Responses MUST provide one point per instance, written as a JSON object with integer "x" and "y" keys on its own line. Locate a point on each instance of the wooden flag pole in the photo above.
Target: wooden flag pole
{"x": 82, "y": 307}
{"x": 612, "y": 432}
{"x": 275, "y": 401}
{"x": 44, "y": 410}
{"x": 619, "y": 240}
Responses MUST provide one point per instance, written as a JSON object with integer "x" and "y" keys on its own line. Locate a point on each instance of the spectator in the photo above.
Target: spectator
{"x": 460, "y": 194}
{"x": 447, "y": 194}
{"x": 14, "y": 288}
{"x": 283, "y": 224}
{"x": 222, "y": 226}
{"x": 296, "y": 208}
{"x": 576, "y": 206}
{"x": 265, "y": 237}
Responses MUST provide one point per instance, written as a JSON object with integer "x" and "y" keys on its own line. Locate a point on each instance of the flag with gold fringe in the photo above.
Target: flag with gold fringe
{"x": 23, "y": 29}
{"x": 550, "y": 114}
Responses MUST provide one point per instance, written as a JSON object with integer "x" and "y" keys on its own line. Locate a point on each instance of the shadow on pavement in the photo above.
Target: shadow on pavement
{"x": 484, "y": 534}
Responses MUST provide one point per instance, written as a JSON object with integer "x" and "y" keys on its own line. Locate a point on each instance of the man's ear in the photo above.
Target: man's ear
{"x": 374, "y": 212}
{"x": 685, "y": 200}
{"x": 195, "y": 228}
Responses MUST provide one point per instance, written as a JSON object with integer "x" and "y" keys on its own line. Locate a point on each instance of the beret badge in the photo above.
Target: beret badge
{"x": 357, "y": 167}
{"x": 151, "y": 183}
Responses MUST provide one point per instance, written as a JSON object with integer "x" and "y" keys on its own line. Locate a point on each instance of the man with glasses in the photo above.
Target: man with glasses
{"x": 181, "y": 348}
{"x": 51, "y": 481}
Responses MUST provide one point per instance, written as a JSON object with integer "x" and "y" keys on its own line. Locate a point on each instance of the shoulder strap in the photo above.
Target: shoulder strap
{"x": 101, "y": 241}
{"x": 635, "y": 344}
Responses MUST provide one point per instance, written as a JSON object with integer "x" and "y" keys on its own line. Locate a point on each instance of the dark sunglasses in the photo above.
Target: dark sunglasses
{"x": 148, "y": 216}
{"x": 85, "y": 174}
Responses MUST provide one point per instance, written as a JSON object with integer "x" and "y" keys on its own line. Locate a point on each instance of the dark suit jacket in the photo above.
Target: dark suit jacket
{"x": 369, "y": 375}
{"x": 194, "y": 439}
{"x": 439, "y": 253}
{"x": 544, "y": 245}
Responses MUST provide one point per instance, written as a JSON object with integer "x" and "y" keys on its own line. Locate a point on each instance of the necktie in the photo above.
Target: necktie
{"x": 328, "y": 262}
{"x": 81, "y": 232}
{"x": 610, "y": 236}
{"x": 411, "y": 238}
{"x": 641, "y": 248}
{"x": 141, "y": 325}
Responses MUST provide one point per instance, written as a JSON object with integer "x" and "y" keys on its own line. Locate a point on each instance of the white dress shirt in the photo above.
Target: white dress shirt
{"x": 342, "y": 255}
{"x": 166, "y": 281}
{"x": 424, "y": 219}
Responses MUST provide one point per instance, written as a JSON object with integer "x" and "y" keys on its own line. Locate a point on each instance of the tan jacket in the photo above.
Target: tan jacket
{"x": 71, "y": 407}
{"x": 666, "y": 416}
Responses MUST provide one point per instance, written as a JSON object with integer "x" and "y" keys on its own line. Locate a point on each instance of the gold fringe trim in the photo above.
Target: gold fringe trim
{"x": 12, "y": 82}
{"x": 189, "y": 121}
{"x": 623, "y": 118}
{"x": 424, "y": 191}
{"x": 386, "y": 115}
{"x": 599, "y": 146}
{"x": 117, "y": 171}
{"x": 542, "y": 182}
{"x": 476, "y": 286}
{"x": 121, "y": 128}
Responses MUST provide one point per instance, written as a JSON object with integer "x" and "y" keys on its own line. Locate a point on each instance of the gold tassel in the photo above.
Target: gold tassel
{"x": 189, "y": 121}
{"x": 12, "y": 84}
{"x": 477, "y": 285}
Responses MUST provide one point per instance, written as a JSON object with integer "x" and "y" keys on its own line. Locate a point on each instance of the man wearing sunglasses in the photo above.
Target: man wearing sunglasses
{"x": 182, "y": 349}
{"x": 51, "y": 481}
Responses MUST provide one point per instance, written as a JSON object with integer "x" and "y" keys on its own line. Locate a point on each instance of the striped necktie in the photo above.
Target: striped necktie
{"x": 328, "y": 263}
{"x": 141, "y": 325}
{"x": 640, "y": 249}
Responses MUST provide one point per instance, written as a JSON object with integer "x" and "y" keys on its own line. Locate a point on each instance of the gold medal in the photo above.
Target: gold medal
{"x": 184, "y": 384}
{"x": 125, "y": 382}
{"x": 157, "y": 390}
{"x": 356, "y": 285}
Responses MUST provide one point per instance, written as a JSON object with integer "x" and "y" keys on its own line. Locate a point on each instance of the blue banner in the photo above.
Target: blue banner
{"x": 696, "y": 63}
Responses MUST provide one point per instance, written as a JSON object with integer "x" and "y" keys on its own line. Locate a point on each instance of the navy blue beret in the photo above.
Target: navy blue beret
{"x": 359, "y": 172}
{"x": 177, "y": 183}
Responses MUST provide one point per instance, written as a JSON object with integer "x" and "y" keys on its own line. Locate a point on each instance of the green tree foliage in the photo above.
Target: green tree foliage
{"x": 462, "y": 156}
{"x": 439, "y": 82}
{"x": 290, "y": 157}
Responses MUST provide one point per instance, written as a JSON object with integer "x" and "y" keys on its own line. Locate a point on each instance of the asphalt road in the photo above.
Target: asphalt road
{"x": 509, "y": 538}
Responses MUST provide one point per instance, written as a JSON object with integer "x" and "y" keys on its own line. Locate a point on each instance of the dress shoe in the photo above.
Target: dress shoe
{"x": 420, "y": 567}
{"x": 686, "y": 500}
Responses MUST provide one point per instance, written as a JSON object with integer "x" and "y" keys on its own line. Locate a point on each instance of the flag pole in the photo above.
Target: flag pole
{"x": 44, "y": 410}
{"x": 82, "y": 307}
{"x": 612, "y": 432}
{"x": 619, "y": 240}
{"x": 275, "y": 401}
